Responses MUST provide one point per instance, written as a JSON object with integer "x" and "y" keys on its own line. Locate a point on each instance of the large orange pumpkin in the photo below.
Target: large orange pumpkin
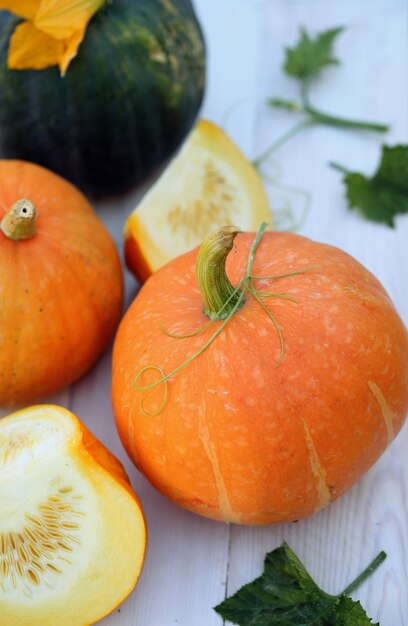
{"x": 288, "y": 406}
{"x": 60, "y": 283}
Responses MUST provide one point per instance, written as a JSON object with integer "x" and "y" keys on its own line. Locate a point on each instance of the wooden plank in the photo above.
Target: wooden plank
{"x": 232, "y": 36}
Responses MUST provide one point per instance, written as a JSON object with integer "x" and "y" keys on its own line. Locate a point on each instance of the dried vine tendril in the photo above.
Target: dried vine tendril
{"x": 237, "y": 296}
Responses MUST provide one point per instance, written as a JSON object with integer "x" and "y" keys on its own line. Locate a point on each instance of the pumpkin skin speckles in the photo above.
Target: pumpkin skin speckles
{"x": 60, "y": 289}
{"x": 242, "y": 440}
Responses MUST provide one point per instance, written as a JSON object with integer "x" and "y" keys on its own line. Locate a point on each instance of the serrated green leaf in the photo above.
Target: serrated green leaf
{"x": 393, "y": 169}
{"x": 285, "y": 591}
{"x": 384, "y": 195}
{"x": 350, "y": 613}
{"x": 311, "y": 55}
{"x": 286, "y": 595}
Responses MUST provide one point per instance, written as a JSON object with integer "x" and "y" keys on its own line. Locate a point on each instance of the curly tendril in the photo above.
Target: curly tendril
{"x": 246, "y": 285}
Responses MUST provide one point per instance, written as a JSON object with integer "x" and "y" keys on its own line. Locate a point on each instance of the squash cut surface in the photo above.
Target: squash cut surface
{"x": 208, "y": 184}
{"x": 72, "y": 534}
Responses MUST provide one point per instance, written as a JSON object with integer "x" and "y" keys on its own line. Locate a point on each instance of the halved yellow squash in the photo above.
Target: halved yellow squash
{"x": 72, "y": 532}
{"x": 208, "y": 184}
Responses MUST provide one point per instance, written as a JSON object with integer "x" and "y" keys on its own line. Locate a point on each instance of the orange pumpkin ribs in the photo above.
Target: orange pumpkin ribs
{"x": 301, "y": 390}
{"x": 60, "y": 283}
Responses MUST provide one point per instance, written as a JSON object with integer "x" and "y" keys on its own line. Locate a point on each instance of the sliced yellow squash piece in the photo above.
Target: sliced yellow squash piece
{"x": 208, "y": 184}
{"x": 72, "y": 532}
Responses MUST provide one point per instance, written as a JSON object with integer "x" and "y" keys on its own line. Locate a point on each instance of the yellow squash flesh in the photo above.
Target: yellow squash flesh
{"x": 208, "y": 184}
{"x": 72, "y": 532}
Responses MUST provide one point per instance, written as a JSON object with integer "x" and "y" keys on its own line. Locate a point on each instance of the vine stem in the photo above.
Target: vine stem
{"x": 316, "y": 117}
{"x": 283, "y": 139}
{"x": 337, "y": 166}
{"x": 20, "y": 221}
{"x": 236, "y": 299}
{"x": 380, "y": 558}
{"x": 333, "y": 120}
{"x": 313, "y": 116}
{"x": 214, "y": 285}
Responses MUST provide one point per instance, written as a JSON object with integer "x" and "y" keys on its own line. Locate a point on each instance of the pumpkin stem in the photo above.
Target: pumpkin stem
{"x": 19, "y": 222}
{"x": 219, "y": 295}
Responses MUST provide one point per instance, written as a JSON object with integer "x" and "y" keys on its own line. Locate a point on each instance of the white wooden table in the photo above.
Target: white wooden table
{"x": 193, "y": 563}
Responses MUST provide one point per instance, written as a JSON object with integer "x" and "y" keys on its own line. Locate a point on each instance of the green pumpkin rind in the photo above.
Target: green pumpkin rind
{"x": 125, "y": 104}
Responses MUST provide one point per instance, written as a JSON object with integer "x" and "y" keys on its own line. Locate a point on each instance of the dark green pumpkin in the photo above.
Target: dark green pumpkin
{"x": 125, "y": 104}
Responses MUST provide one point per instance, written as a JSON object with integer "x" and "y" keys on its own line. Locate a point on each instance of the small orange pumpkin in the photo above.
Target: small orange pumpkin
{"x": 60, "y": 283}
{"x": 303, "y": 388}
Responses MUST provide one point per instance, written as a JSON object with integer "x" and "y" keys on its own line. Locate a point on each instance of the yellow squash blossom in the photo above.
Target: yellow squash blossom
{"x": 51, "y": 34}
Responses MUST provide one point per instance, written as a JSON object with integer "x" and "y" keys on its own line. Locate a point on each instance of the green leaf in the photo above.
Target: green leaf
{"x": 286, "y": 595}
{"x": 393, "y": 168}
{"x": 348, "y": 612}
{"x": 384, "y": 195}
{"x": 310, "y": 56}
